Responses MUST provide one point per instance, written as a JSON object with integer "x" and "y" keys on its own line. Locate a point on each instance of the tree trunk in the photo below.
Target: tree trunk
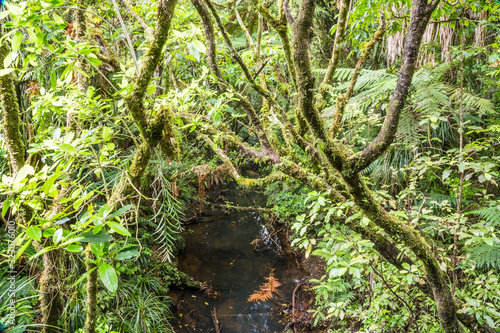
{"x": 11, "y": 120}
{"x": 50, "y": 291}
{"x": 91, "y": 303}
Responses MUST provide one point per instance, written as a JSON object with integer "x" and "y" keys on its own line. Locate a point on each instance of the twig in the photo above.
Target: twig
{"x": 244, "y": 209}
{"x": 293, "y": 305}
{"x": 217, "y": 324}
{"x": 127, "y": 36}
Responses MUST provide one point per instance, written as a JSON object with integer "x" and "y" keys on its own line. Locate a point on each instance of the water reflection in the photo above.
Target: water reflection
{"x": 234, "y": 253}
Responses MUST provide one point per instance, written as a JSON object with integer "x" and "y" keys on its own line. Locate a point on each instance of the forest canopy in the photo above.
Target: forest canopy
{"x": 372, "y": 127}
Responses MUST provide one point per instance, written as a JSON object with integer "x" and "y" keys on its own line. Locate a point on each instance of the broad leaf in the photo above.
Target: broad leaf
{"x": 35, "y": 233}
{"x": 108, "y": 277}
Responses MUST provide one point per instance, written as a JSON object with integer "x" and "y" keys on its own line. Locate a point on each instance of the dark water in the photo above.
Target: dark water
{"x": 234, "y": 253}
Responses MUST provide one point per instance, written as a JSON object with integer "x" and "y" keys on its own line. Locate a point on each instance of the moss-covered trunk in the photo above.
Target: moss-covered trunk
{"x": 11, "y": 120}
{"x": 50, "y": 291}
{"x": 91, "y": 290}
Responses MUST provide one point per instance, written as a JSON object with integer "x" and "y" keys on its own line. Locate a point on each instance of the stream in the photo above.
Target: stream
{"x": 234, "y": 252}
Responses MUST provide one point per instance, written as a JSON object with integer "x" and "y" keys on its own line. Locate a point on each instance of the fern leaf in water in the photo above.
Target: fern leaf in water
{"x": 265, "y": 292}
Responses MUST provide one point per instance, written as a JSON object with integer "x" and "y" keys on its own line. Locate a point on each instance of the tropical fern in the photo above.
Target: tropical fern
{"x": 168, "y": 212}
{"x": 431, "y": 96}
{"x": 489, "y": 214}
{"x": 486, "y": 256}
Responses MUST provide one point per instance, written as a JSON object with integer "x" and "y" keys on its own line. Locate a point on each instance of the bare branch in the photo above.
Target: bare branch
{"x": 139, "y": 19}
{"x": 227, "y": 162}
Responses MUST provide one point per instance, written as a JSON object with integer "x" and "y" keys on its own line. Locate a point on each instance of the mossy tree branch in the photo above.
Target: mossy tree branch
{"x": 135, "y": 102}
{"x": 50, "y": 288}
{"x": 281, "y": 27}
{"x": 343, "y": 100}
{"x": 337, "y": 48}
{"x": 81, "y": 66}
{"x": 335, "y": 154}
{"x": 91, "y": 289}
{"x": 201, "y": 7}
{"x": 208, "y": 29}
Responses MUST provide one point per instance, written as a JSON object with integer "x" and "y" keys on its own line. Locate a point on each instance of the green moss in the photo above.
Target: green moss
{"x": 11, "y": 120}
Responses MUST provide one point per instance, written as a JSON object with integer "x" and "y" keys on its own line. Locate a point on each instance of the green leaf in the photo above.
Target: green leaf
{"x": 23, "y": 173}
{"x": 490, "y": 321}
{"x": 97, "y": 249}
{"x": 217, "y": 118}
{"x": 83, "y": 277}
{"x": 119, "y": 228}
{"x": 49, "y": 182}
{"x": 22, "y": 249}
{"x": 107, "y": 133}
{"x": 101, "y": 237}
{"x": 108, "y": 277}
{"x": 67, "y": 71}
{"x": 14, "y": 9}
{"x": 120, "y": 211}
{"x": 34, "y": 233}
{"x": 57, "y": 236}
{"x": 77, "y": 203}
{"x": 8, "y": 59}
{"x": 127, "y": 254}
{"x": 17, "y": 40}
{"x": 67, "y": 148}
{"x": 58, "y": 19}
{"x": 94, "y": 61}
{"x": 42, "y": 251}
{"x": 53, "y": 80}
{"x": 74, "y": 248}
{"x": 193, "y": 51}
{"x": 6, "y": 205}
{"x": 446, "y": 173}
{"x": 49, "y": 232}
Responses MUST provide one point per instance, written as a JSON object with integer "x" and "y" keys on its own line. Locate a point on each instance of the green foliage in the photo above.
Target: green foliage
{"x": 286, "y": 198}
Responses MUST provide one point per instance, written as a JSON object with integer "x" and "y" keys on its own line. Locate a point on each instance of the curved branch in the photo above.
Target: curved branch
{"x": 420, "y": 15}
{"x": 208, "y": 28}
{"x": 143, "y": 24}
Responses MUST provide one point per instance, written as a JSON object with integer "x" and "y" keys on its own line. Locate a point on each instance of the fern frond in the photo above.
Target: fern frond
{"x": 472, "y": 101}
{"x": 486, "y": 256}
{"x": 489, "y": 214}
